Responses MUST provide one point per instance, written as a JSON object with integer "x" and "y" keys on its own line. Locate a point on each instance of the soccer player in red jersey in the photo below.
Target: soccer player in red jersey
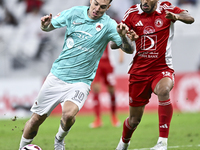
{"x": 105, "y": 75}
{"x": 151, "y": 70}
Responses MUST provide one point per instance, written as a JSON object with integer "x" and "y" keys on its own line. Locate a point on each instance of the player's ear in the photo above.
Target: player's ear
{"x": 90, "y": 2}
{"x": 108, "y": 7}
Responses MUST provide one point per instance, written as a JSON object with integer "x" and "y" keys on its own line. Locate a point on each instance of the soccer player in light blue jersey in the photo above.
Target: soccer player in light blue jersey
{"x": 88, "y": 31}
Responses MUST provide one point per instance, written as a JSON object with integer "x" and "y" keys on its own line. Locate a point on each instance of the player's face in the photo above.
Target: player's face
{"x": 148, "y": 6}
{"x": 98, "y": 8}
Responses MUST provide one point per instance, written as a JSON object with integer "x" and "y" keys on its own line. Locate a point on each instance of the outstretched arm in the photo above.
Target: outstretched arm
{"x": 127, "y": 45}
{"x": 127, "y": 38}
{"x": 46, "y": 23}
{"x": 183, "y": 16}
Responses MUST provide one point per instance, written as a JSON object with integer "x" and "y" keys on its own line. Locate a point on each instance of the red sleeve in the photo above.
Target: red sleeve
{"x": 168, "y": 6}
{"x": 127, "y": 19}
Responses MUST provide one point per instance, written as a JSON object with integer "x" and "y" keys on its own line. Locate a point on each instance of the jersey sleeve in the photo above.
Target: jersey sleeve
{"x": 114, "y": 36}
{"x": 168, "y": 6}
{"x": 61, "y": 19}
{"x": 127, "y": 17}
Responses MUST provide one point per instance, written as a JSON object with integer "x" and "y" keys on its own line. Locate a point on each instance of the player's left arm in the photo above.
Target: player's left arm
{"x": 184, "y": 16}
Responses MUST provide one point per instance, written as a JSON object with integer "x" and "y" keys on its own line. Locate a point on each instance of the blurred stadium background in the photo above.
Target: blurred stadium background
{"x": 27, "y": 53}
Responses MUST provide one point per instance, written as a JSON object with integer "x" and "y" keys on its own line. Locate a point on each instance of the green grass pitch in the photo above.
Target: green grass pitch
{"x": 184, "y": 133}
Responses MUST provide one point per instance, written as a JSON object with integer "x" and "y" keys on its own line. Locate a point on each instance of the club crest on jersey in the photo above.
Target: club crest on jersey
{"x": 158, "y": 22}
{"x": 99, "y": 26}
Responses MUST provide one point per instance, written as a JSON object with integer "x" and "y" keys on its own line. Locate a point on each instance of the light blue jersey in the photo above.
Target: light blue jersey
{"x": 84, "y": 43}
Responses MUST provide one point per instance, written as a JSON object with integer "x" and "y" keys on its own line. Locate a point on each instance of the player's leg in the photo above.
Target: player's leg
{"x": 113, "y": 108}
{"x": 139, "y": 95}
{"x": 31, "y": 129}
{"x": 129, "y": 126}
{"x": 73, "y": 101}
{"x": 96, "y": 87}
{"x": 41, "y": 108}
{"x": 69, "y": 112}
{"x": 165, "y": 110}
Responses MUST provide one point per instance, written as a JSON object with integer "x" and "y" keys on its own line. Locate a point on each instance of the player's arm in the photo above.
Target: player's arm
{"x": 127, "y": 45}
{"x": 184, "y": 16}
{"x": 46, "y": 23}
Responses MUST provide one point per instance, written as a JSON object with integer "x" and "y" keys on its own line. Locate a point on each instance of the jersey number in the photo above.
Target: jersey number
{"x": 79, "y": 96}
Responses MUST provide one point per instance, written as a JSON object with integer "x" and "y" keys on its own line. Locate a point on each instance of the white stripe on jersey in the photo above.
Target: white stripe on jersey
{"x": 165, "y": 7}
{"x": 128, "y": 12}
{"x": 168, "y": 53}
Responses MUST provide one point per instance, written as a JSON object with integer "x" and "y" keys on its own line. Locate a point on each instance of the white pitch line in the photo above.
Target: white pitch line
{"x": 170, "y": 147}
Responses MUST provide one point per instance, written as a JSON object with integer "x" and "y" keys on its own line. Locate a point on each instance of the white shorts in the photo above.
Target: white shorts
{"x": 55, "y": 91}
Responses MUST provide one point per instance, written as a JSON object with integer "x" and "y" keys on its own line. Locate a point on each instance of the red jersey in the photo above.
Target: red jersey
{"x": 105, "y": 70}
{"x": 153, "y": 48}
{"x": 105, "y": 57}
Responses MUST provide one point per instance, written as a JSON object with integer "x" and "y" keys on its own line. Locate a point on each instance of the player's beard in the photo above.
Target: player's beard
{"x": 152, "y": 8}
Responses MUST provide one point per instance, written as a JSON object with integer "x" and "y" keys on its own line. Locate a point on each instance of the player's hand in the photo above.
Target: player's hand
{"x": 170, "y": 15}
{"x": 132, "y": 35}
{"x": 46, "y": 20}
{"x": 122, "y": 29}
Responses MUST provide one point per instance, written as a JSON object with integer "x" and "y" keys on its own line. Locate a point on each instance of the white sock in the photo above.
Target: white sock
{"x": 61, "y": 134}
{"x": 24, "y": 142}
{"x": 164, "y": 140}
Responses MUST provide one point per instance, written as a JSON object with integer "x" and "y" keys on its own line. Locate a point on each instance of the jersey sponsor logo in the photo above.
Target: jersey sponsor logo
{"x": 70, "y": 42}
{"x": 139, "y": 23}
{"x": 159, "y": 22}
{"x": 148, "y": 42}
{"x": 83, "y": 34}
{"x": 99, "y": 26}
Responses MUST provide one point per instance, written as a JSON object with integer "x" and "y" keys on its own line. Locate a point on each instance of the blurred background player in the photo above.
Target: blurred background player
{"x": 105, "y": 74}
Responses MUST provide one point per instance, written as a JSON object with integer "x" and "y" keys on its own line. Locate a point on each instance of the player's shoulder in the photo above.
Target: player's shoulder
{"x": 79, "y": 8}
{"x": 107, "y": 19}
{"x": 133, "y": 9}
{"x": 166, "y": 5}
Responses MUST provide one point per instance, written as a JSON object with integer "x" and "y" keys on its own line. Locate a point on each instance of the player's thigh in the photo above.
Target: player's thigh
{"x": 164, "y": 81}
{"x": 77, "y": 94}
{"x": 49, "y": 96}
{"x": 139, "y": 90}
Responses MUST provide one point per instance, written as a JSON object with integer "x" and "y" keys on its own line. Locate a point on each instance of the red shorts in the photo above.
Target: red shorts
{"x": 105, "y": 74}
{"x": 141, "y": 87}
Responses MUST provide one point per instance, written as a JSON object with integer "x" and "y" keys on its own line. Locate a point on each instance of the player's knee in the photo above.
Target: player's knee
{"x": 68, "y": 118}
{"x": 163, "y": 91}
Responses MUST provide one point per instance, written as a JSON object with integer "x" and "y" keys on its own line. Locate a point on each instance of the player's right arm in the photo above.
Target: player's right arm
{"x": 46, "y": 23}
